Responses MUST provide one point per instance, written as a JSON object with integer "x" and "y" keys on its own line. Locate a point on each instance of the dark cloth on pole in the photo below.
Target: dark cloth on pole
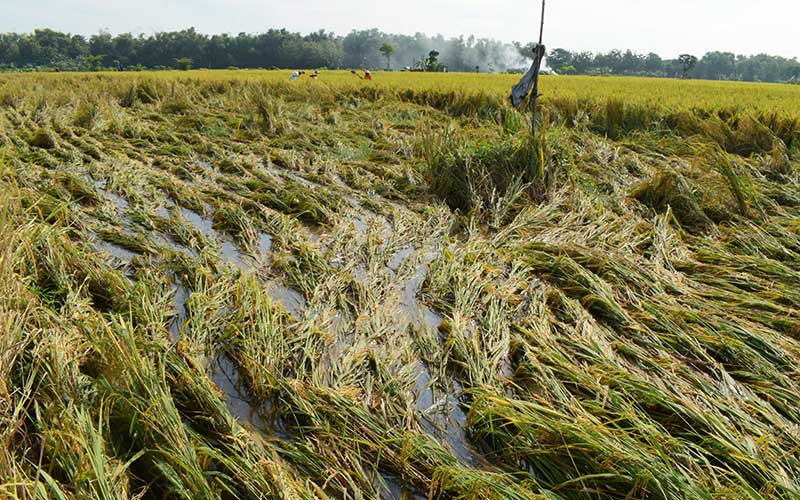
{"x": 530, "y": 80}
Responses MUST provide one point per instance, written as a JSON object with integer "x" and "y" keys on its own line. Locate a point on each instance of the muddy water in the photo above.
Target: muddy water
{"x": 166, "y": 242}
{"x": 441, "y": 412}
{"x": 264, "y": 244}
{"x": 443, "y": 417}
{"x": 419, "y": 314}
{"x": 163, "y": 212}
{"x": 291, "y": 300}
{"x": 116, "y": 251}
{"x": 179, "y": 321}
{"x": 229, "y": 251}
{"x": 120, "y": 202}
{"x": 205, "y": 226}
{"x": 225, "y": 376}
{"x": 232, "y": 256}
{"x": 399, "y": 257}
{"x": 391, "y": 489}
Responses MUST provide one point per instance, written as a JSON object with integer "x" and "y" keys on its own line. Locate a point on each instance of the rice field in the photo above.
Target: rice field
{"x": 224, "y": 285}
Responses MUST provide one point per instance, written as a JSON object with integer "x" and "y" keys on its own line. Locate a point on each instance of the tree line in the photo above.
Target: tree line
{"x": 49, "y": 49}
{"x": 46, "y": 49}
{"x": 711, "y": 66}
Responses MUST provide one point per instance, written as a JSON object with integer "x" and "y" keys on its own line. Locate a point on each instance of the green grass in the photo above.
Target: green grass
{"x": 409, "y": 294}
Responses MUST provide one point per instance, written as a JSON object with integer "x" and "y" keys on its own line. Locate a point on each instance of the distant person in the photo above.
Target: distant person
{"x": 315, "y": 75}
{"x": 297, "y": 74}
{"x": 367, "y": 75}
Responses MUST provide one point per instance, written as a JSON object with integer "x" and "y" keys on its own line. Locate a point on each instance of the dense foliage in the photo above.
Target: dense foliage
{"x": 712, "y": 66}
{"x": 276, "y": 48}
{"x": 48, "y": 49}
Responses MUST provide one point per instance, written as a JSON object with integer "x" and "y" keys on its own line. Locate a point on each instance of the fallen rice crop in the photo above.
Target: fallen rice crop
{"x": 229, "y": 285}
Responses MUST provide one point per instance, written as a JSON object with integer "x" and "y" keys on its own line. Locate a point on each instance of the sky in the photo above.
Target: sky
{"x": 667, "y": 28}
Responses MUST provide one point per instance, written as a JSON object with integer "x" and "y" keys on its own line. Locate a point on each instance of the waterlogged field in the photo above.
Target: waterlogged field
{"x": 227, "y": 285}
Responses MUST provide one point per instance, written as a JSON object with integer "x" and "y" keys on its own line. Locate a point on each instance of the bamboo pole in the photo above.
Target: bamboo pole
{"x": 540, "y": 56}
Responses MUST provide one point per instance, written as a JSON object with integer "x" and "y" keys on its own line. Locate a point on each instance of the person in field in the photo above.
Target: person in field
{"x": 367, "y": 74}
{"x": 296, "y": 75}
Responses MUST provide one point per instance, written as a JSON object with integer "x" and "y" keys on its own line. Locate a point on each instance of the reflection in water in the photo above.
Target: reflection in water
{"x": 438, "y": 403}
{"x": 232, "y": 256}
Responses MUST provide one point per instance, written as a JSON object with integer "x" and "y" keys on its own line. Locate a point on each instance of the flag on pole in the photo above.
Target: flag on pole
{"x": 521, "y": 90}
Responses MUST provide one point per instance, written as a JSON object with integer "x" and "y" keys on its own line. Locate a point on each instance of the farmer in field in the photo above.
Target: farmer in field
{"x": 367, "y": 75}
{"x": 297, "y": 74}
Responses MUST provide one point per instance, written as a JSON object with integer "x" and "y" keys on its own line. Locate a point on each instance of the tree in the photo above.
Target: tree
{"x": 280, "y": 48}
{"x": 387, "y": 49}
{"x": 94, "y": 63}
{"x": 583, "y": 62}
{"x": 688, "y": 62}
{"x": 653, "y": 64}
{"x": 717, "y": 66}
{"x": 183, "y": 63}
{"x": 432, "y": 62}
{"x": 558, "y": 58}
{"x": 359, "y": 48}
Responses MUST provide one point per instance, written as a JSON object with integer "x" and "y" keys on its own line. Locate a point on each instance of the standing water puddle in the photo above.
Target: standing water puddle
{"x": 122, "y": 254}
{"x": 392, "y": 489}
{"x": 229, "y": 251}
{"x": 443, "y": 417}
{"x": 116, "y": 251}
{"x": 118, "y": 200}
{"x": 264, "y": 243}
{"x": 419, "y": 314}
{"x": 440, "y": 410}
{"x": 291, "y": 300}
{"x": 240, "y": 404}
{"x": 226, "y": 377}
{"x": 202, "y": 224}
{"x": 177, "y": 326}
{"x": 398, "y": 258}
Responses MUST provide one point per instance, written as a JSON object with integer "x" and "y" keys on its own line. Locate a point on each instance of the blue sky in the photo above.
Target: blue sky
{"x": 668, "y": 28}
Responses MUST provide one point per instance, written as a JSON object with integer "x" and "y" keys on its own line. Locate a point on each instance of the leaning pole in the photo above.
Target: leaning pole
{"x": 530, "y": 82}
